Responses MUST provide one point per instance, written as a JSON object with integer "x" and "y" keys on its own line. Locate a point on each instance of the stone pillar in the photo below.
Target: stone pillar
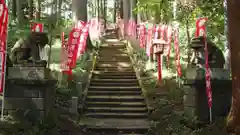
{"x": 195, "y": 99}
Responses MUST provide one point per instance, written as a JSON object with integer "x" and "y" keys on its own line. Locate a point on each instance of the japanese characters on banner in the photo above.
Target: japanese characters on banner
{"x": 142, "y": 31}
{"x": 132, "y": 28}
{"x": 75, "y": 46}
{"x": 72, "y": 47}
{"x": 201, "y": 31}
{"x": 3, "y": 42}
{"x": 64, "y": 53}
{"x": 149, "y": 41}
{"x": 83, "y": 40}
{"x": 36, "y": 27}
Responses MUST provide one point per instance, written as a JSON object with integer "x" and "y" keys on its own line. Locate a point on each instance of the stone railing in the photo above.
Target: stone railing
{"x": 195, "y": 98}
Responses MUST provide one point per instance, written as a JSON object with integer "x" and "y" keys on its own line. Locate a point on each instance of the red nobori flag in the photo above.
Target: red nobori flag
{"x": 201, "y": 31}
{"x": 3, "y": 42}
{"x": 36, "y": 27}
{"x": 83, "y": 40}
{"x": 177, "y": 52}
{"x": 142, "y": 31}
{"x": 72, "y": 47}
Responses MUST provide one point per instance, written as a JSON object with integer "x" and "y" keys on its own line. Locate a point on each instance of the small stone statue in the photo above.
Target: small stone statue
{"x": 215, "y": 55}
{"x": 29, "y": 48}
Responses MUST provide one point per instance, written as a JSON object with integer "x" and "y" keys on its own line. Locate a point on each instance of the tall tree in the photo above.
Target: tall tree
{"x": 115, "y": 11}
{"x": 126, "y": 15}
{"x": 59, "y": 11}
{"x": 234, "y": 42}
{"x": 30, "y": 4}
{"x": 38, "y": 8}
{"x": 20, "y": 16}
{"x": 14, "y": 9}
{"x": 79, "y": 8}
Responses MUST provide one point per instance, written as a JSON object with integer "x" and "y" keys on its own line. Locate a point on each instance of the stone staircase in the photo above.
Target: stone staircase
{"x": 114, "y": 101}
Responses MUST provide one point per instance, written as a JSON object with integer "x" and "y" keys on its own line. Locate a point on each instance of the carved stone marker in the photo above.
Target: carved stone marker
{"x": 29, "y": 88}
{"x": 195, "y": 98}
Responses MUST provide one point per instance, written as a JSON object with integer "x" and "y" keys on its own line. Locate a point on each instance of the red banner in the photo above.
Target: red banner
{"x": 149, "y": 41}
{"x": 83, "y": 40}
{"x": 132, "y": 28}
{"x": 72, "y": 47}
{"x": 176, "y": 48}
{"x": 3, "y": 42}
{"x": 36, "y": 27}
{"x": 142, "y": 30}
{"x": 201, "y": 31}
{"x": 200, "y": 27}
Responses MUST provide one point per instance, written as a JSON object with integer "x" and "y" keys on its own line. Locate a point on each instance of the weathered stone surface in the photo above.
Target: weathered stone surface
{"x": 190, "y": 112}
{"x": 189, "y": 90}
{"x": 221, "y": 98}
{"x": 28, "y": 73}
{"x": 30, "y": 91}
{"x": 216, "y": 73}
{"x": 74, "y": 105}
{"x": 23, "y": 103}
{"x": 189, "y": 100}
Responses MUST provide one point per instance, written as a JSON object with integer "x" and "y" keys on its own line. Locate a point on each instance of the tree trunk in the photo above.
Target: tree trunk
{"x": 80, "y": 10}
{"x": 98, "y": 11}
{"x": 20, "y": 15}
{"x": 59, "y": 11}
{"x": 121, "y": 8}
{"x": 234, "y": 42}
{"x": 126, "y": 15}
{"x": 115, "y": 11}
{"x": 80, "y": 13}
{"x": 105, "y": 13}
{"x": 14, "y": 9}
{"x": 38, "y": 8}
{"x": 30, "y": 3}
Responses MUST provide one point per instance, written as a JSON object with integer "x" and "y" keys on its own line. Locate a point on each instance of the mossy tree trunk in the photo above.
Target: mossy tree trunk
{"x": 234, "y": 42}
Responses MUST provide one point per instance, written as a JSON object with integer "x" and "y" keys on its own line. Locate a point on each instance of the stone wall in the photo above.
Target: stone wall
{"x": 195, "y": 98}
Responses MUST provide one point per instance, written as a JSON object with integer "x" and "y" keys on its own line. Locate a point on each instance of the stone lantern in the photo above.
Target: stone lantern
{"x": 158, "y": 49}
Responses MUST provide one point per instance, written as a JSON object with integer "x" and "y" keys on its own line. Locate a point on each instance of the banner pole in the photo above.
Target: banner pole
{"x": 210, "y": 114}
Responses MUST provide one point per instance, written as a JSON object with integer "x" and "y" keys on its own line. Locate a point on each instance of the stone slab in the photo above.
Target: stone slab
{"x": 28, "y": 73}
{"x": 23, "y": 103}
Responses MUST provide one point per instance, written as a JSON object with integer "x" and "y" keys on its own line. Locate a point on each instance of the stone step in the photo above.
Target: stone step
{"x": 114, "y": 69}
{"x": 118, "y": 115}
{"x": 115, "y": 104}
{"x": 114, "y": 47}
{"x": 114, "y": 83}
{"x": 117, "y": 109}
{"x": 114, "y": 73}
{"x": 112, "y": 61}
{"x": 117, "y": 93}
{"x": 113, "y": 66}
{"x": 117, "y": 54}
{"x": 118, "y": 126}
{"x": 114, "y": 56}
{"x": 121, "y": 81}
{"x": 115, "y": 98}
{"x": 115, "y": 88}
{"x": 114, "y": 77}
